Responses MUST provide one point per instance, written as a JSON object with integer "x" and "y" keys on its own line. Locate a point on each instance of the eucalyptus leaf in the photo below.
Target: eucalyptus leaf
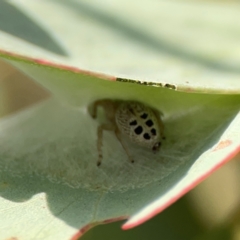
{"x": 50, "y": 185}
{"x": 192, "y": 46}
{"x": 55, "y": 140}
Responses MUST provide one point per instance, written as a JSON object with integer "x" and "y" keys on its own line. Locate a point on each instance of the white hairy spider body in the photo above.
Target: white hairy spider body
{"x": 140, "y": 123}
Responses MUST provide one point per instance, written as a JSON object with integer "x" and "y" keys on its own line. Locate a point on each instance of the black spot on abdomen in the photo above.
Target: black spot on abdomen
{"x": 138, "y": 130}
{"x": 149, "y": 123}
{"x": 153, "y": 131}
{"x": 146, "y": 136}
{"x": 144, "y": 115}
{"x": 133, "y": 123}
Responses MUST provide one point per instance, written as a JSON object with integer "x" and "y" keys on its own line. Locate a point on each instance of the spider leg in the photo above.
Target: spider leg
{"x": 101, "y": 128}
{"x": 93, "y": 111}
{"x": 108, "y": 106}
{"x": 118, "y": 135}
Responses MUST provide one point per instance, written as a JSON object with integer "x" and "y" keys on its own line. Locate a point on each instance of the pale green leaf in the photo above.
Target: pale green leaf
{"x": 50, "y": 184}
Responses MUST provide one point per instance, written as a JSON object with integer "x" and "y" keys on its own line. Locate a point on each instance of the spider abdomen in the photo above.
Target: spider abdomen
{"x": 139, "y": 123}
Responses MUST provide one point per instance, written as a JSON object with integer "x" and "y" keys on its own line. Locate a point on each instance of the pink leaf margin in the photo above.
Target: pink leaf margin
{"x": 162, "y": 203}
{"x": 39, "y": 61}
{"x": 89, "y": 226}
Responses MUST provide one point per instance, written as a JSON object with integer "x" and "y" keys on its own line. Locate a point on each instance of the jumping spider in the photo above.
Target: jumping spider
{"x": 140, "y": 123}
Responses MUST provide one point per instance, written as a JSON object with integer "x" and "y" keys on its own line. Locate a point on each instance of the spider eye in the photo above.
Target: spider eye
{"x": 156, "y": 147}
